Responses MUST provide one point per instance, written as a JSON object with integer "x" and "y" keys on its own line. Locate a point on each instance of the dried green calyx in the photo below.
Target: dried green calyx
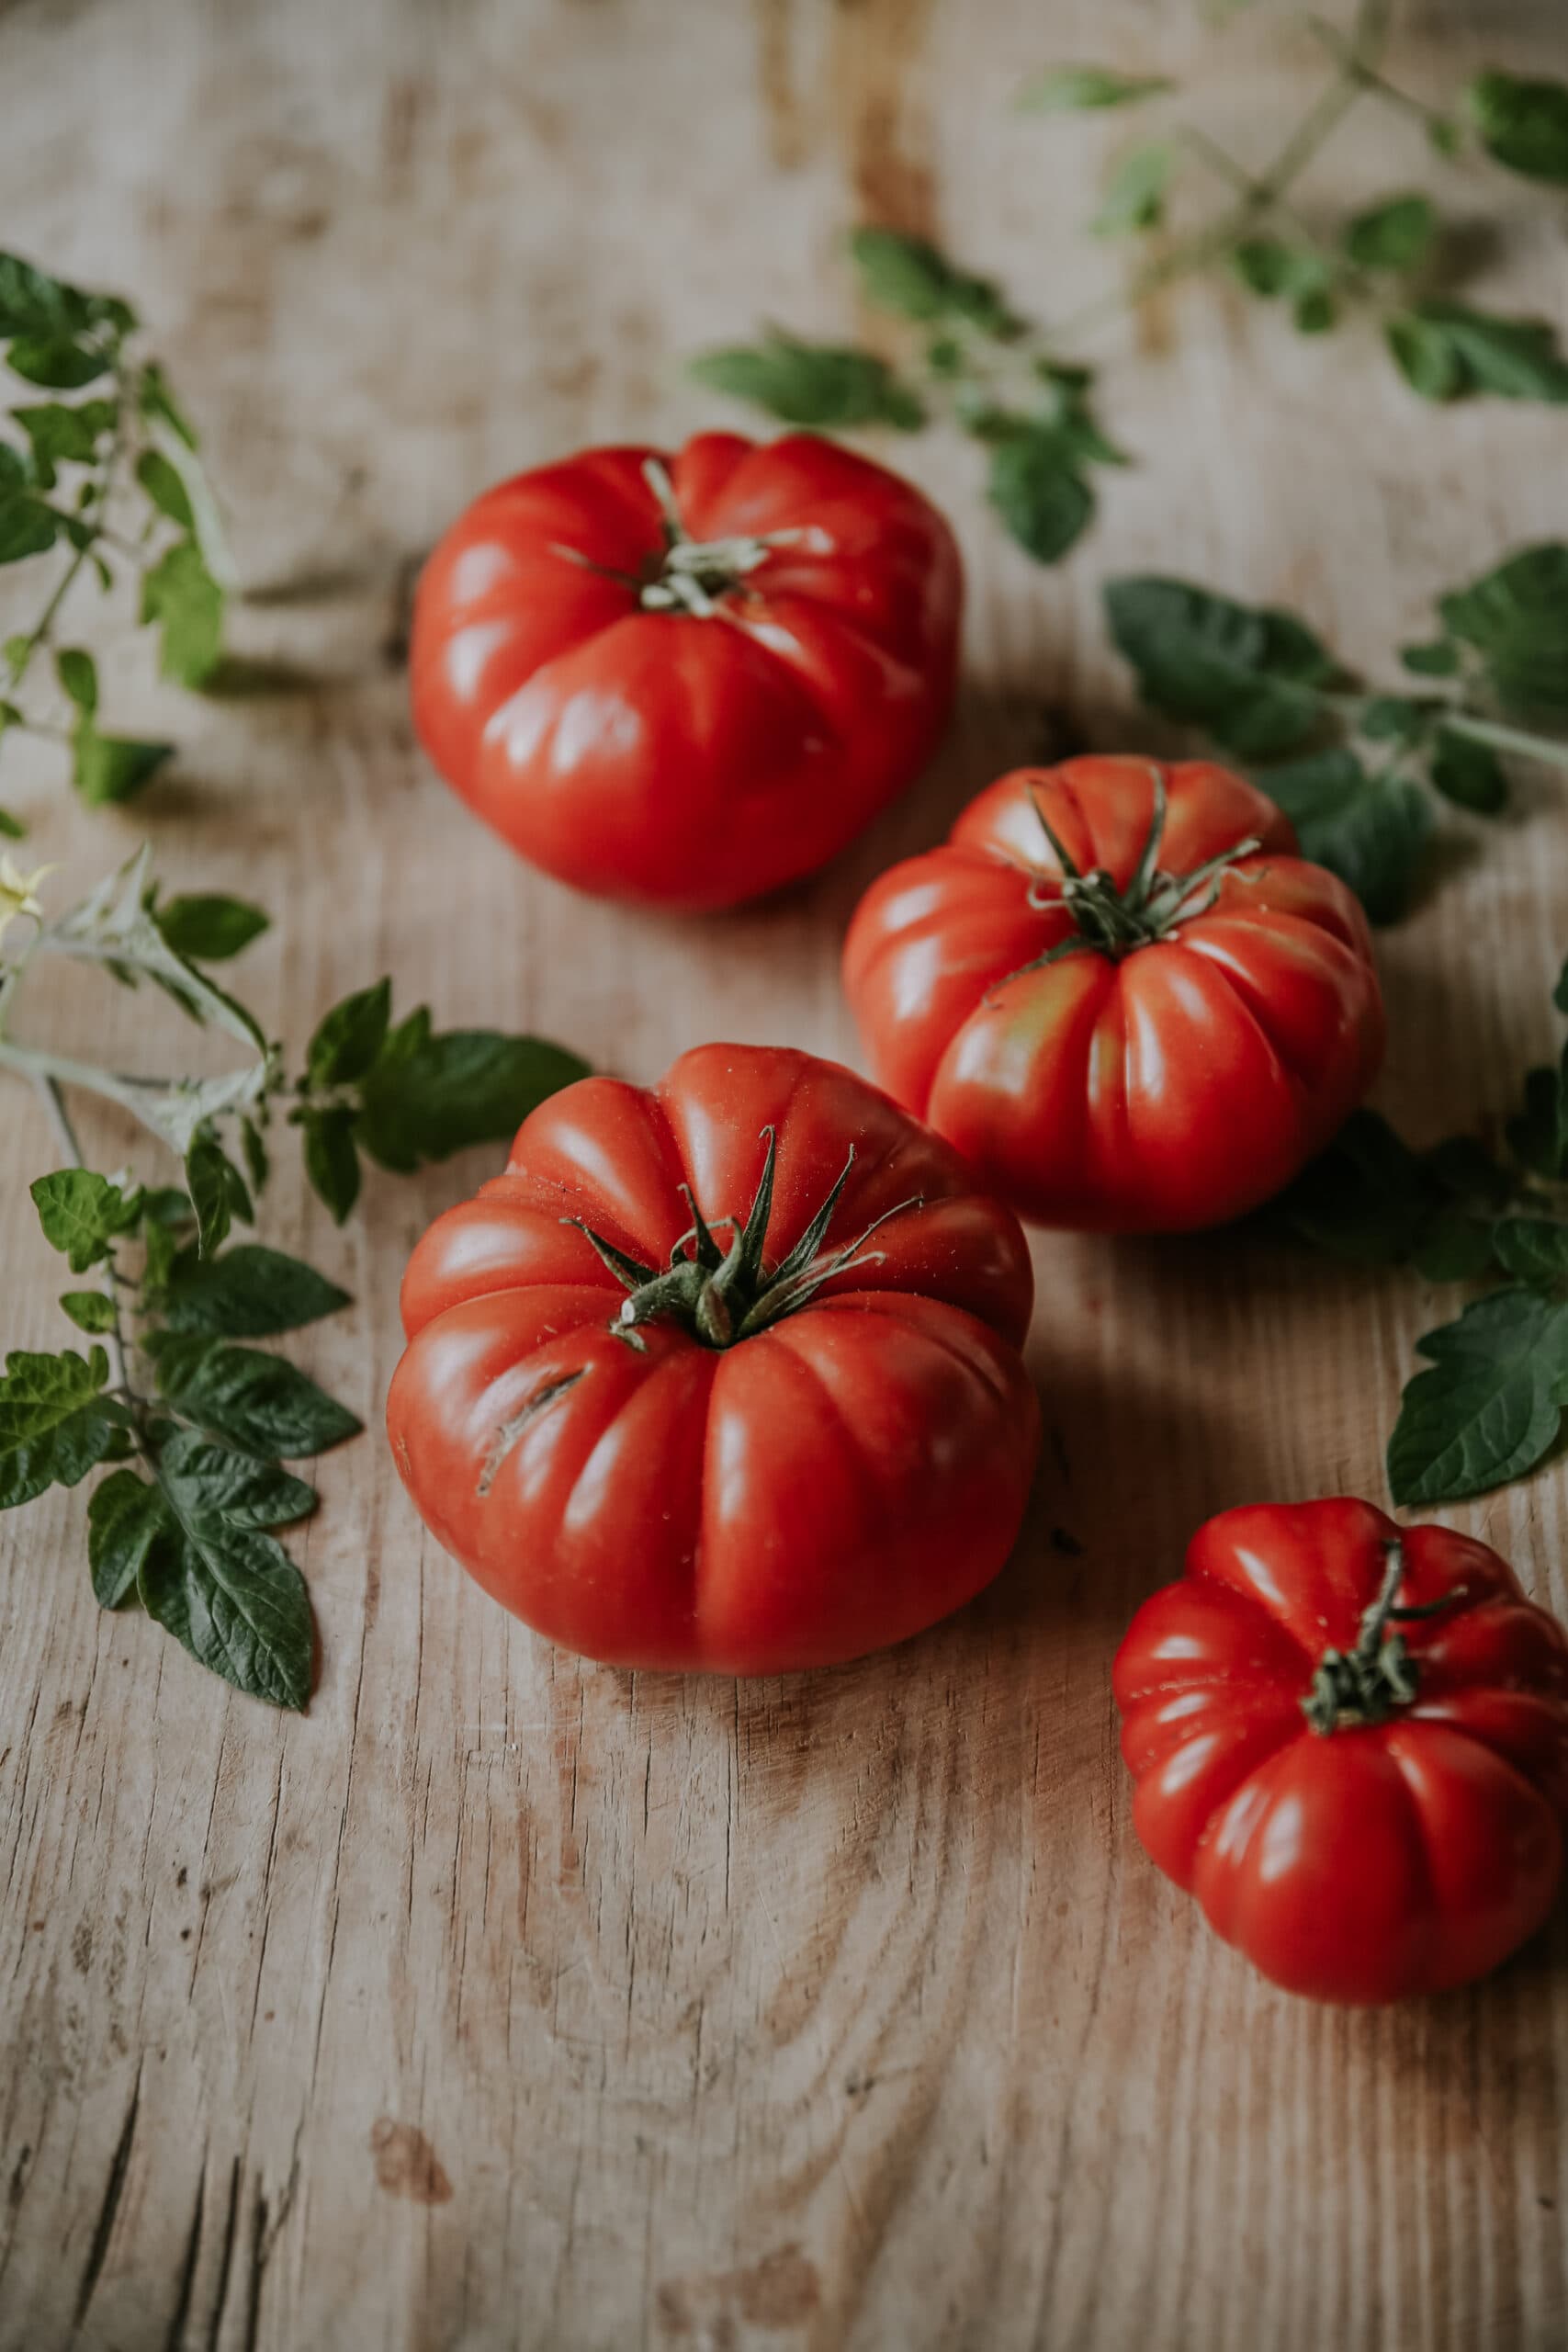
{"x": 1378, "y": 1677}
{"x": 725, "y": 1295}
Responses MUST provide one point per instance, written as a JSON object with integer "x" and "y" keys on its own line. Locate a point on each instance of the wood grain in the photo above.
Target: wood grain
{"x": 504, "y": 2000}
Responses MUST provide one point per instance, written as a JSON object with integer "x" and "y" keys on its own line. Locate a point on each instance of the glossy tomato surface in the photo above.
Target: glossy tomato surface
{"x": 823, "y": 1485}
{"x": 1171, "y": 1086}
{"x": 688, "y": 753}
{"x": 1379, "y": 1859}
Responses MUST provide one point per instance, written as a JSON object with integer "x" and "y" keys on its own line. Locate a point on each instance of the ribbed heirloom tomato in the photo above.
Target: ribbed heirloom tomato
{"x": 724, "y": 1373}
{"x": 1119, "y": 991}
{"x": 687, "y": 679}
{"x": 1351, "y": 1742}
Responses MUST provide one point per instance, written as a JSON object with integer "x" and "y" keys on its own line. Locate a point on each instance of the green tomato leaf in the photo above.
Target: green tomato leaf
{"x": 181, "y": 595}
{"x": 1424, "y": 357}
{"x": 1533, "y": 1250}
{"x": 1077, "y": 89}
{"x": 1134, "y": 200}
{"x": 163, "y": 487}
{"x": 1268, "y": 267}
{"x": 237, "y": 1602}
{"x": 27, "y": 526}
{"x": 247, "y": 1292}
{"x": 1468, "y": 773}
{"x": 1445, "y": 350}
{"x": 1440, "y": 658}
{"x": 90, "y": 1310}
{"x": 1371, "y": 830}
{"x": 59, "y": 362}
{"x": 158, "y": 405}
{"x": 34, "y": 304}
{"x": 331, "y": 1160}
{"x": 257, "y": 1166}
{"x": 1314, "y": 313}
{"x": 212, "y": 1480}
{"x": 11, "y": 828}
{"x": 431, "y": 1095}
{"x": 112, "y": 768}
{"x": 350, "y": 1037}
{"x": 1037, "y": 488}
{"x": 207, "y": 929}
{"x": 55, "y": 1423}
{"x": 1523, "y": 125}
{"x": 263, "y": 1404}
{"x": 910, "y": 276}
{"x": 78, "y": 674}
{"x": 218, "y": 1191}
{"x": 1490, "y": 1406}
{"x": 83, "y": 1214}
{"x": 1364, "y": 1199}
{"x": 1516, "y": 617}
{"x": 1249, "y": 674}
{"x": 810, "y": 383}
{"x": 1395, "y": 234}
{"x": 61, "y": 435}
{"x": 1538, "y": 1133}
{"x": 124, "y": 1515}
{"x": 1394, "y": 718}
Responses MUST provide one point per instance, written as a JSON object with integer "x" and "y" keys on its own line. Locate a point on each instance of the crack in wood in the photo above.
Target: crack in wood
{"x": 104, "y": 2226}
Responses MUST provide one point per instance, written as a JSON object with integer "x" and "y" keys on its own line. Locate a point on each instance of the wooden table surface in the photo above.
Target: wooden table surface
{"x": 507, "y": 2000}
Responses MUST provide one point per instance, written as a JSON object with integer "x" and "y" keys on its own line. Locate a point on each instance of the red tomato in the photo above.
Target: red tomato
{"x": 688, "y": 679}
{"x": 779, "y": 1450}
{"x": 1119, "y": 992}
{"x": 1351, "y": 1742}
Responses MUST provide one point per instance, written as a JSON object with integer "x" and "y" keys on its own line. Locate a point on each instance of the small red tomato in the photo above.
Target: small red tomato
{"x": 724, "y": 1373}
{"x": 1121, "y": 994}
{"x": 688, "y": 679}
{"x": 1351, "y": 1742}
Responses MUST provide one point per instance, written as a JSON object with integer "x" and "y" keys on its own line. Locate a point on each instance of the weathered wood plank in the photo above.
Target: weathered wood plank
{"x": 503, "y": 1999}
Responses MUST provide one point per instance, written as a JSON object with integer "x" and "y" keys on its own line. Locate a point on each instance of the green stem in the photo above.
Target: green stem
{"x": 1264, "y": 191}
{"x": 52, "y": 1071}
{"x": 1508, "y": 739}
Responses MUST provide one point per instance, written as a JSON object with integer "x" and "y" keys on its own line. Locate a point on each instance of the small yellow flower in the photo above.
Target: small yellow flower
{"x": 18, "y": 891}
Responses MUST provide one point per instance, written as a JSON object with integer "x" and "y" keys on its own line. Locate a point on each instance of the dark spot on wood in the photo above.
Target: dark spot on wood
{"x": 182, "y": 1876}
{"x": 82, "y": 1948}
{"x": 776, "y": 85}
{"x": 400, "y": 626}
{"x": 876, "y": 44}
{"x": 19, "y": 2179}
{"x": 780, "y": 2291}
{"x": 1062, "y": 1542}
{"x": 406, "y": 2163}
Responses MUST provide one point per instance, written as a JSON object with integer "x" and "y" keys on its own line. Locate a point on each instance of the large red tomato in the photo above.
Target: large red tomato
{"x": 1118, "y": 990}
{"x": 1351, "y": 1742}
{"x": 781, "y": 1447}
{"x": 688, "y": 679}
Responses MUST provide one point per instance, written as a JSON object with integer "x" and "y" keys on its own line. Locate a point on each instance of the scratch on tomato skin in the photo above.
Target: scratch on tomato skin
{"x": 512, "y": 1428}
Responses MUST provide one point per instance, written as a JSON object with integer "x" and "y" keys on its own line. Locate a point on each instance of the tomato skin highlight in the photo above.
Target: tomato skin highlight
{"x": 681, "y": 759}
{"x": 826, "y": 1484}
{"x": 1378, "y": 1859}
{"x": 1172, "y": 1086}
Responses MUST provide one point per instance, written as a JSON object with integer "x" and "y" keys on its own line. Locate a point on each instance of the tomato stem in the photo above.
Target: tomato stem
{"x": 1378, "y": 1677}
{"x": 1115, "y": 922}
{"x": 724, "y": 1296}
